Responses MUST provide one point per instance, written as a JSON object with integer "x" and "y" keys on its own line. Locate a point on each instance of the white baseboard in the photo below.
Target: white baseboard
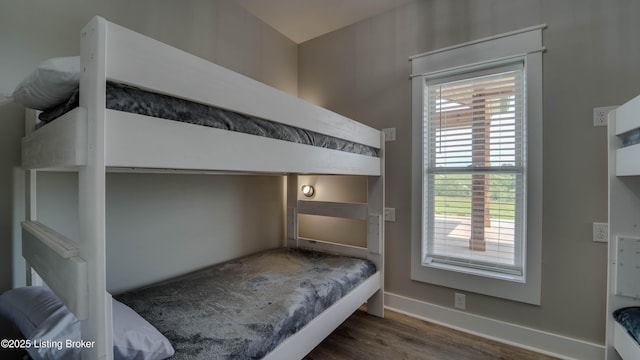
{"x": 540, "y": 341}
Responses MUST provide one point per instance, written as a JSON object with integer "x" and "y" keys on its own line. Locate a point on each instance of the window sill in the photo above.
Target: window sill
{"x": 496, "y": 286}
{"x": 476, "y": 272}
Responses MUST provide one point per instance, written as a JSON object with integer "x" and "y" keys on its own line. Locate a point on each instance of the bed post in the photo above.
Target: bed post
{"x": 375, "y": 232}
{"x": 91, "y": 187}
{"x": 292, "y": 210}
{"x": 31, "y": 212}
{"x": 31, "y": 215}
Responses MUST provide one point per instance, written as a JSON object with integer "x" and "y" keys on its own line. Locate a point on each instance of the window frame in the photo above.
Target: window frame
{"x": 518, "y": 46}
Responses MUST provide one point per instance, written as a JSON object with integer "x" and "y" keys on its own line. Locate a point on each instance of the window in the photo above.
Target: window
{"x": 477, "y": 166}
{"x": 473, "y": 183}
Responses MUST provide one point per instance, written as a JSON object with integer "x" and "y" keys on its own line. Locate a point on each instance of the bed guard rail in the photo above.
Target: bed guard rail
{"x": 56, "y": 259}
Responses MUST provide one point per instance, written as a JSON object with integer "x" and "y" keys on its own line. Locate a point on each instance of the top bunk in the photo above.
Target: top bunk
{"x": 114, "y": 57}
{"x": 624, "y": 123}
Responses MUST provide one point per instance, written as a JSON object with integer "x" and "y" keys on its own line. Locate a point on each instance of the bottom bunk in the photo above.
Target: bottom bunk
{"x": 275, "y": 304}
{"x": 626, "y": 334}
{"x": 280, "y": 304}
{"x": 247, "y": 307}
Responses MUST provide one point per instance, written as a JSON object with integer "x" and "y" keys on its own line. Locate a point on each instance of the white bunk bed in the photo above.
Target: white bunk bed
{"x": 624, "y": 229}
{"x": 93, "y": 140}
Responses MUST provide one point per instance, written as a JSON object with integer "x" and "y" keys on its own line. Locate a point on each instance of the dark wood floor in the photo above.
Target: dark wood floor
{"x": 396, "y": 336}
{"x": 399, "y": 336}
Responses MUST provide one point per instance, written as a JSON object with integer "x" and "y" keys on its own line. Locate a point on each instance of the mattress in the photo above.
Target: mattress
{"x": 133, "y": 100}
{"x": 244, "y": 308}
{"x": 629, "y": 318}
{"x": 631, "y": 138}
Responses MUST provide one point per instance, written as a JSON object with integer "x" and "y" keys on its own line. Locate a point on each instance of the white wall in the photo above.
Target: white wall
{"x": 189, "y": 216}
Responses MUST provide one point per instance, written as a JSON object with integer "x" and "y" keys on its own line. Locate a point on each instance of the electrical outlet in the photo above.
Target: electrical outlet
{"x": 459, "y": 301}
{"x": 600, "y": 115}
{"x": 390, "y": 214}
{"x": 600, "y": 232}
{"x": 389, "y": 134}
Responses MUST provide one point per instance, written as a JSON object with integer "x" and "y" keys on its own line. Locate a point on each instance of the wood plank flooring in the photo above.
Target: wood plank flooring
{"x": 398, "y": 336}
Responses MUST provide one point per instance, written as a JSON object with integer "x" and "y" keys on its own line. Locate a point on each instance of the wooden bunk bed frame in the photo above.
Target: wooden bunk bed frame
{"x": 623, "y": 284}
{"x": 93, "y": 140}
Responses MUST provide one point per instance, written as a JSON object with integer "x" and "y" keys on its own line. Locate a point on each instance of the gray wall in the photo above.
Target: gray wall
{"x": 592, "y": 60}
{"x": 11, "y": 130}
{"x": 189, "y": 216}
{"x": 218, "y": 30}
{"x": 362, "y": 72}
{"x": 335, "y": 189}
{"x": 162, "y": 225}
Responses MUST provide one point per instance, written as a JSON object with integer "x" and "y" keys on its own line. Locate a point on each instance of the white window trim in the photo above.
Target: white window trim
{"x": 525, "y": 44}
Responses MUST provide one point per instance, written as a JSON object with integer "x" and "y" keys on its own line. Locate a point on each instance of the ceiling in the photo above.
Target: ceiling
{"x": 302, "y": 20}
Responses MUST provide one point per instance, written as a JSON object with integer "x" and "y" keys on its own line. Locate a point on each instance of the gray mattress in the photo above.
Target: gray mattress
{"x": 629, "y": 318}
{"x": 134, "y": 100}
{"x": 631, "y": 137}
{"x": 244, "y": 308}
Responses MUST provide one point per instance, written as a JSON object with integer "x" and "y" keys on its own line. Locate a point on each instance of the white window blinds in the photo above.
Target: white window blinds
{"x": 474, "y": 180}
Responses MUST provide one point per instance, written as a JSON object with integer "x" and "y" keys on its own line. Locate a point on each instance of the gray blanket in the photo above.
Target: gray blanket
{"x": 137, "y": 101}
{"x": 244, "y": 308}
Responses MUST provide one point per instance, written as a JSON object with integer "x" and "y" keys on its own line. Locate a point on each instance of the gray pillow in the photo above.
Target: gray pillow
{"x": 28, "y": 307}
{"x": 50, "y": 84}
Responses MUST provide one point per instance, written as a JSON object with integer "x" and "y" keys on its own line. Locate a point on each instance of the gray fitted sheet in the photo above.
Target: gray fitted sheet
{"x": 134, "y": 100}
{"x": 244, "y": 308}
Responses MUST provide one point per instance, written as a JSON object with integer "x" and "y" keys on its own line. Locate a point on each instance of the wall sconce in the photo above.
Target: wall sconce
{"x": 308, "y": 190}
